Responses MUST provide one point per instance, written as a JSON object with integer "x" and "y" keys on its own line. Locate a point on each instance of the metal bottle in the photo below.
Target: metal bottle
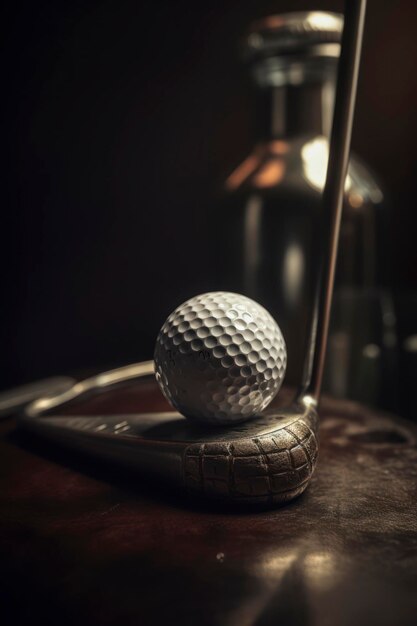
{"x": 272, "y": 209}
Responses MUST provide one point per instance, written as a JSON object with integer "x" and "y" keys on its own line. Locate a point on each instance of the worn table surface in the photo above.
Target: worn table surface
{"x": 84, "y": 543}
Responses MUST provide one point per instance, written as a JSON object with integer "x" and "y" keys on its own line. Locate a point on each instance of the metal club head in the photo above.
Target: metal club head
{"x": 264, "y": 461}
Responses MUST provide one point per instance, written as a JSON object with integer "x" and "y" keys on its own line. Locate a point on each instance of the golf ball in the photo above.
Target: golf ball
{"x": 220, "y": 357}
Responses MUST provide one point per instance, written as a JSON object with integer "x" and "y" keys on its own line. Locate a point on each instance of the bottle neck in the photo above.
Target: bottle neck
{"x": 285, "y": 112}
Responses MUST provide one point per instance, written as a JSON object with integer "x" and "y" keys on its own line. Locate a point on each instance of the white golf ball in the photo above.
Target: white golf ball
{"x": 220, "y": 357}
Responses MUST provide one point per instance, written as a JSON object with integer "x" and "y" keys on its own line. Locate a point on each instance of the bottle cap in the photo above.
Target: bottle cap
{"x": 294, "y": 33}
{"x": 294, "y": 47}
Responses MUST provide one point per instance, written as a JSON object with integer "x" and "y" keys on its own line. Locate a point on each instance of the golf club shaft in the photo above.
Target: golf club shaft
{"x": 333, "y": 193}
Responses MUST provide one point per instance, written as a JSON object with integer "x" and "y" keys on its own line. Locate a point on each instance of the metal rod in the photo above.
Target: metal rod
{"x": 333, "y": 193}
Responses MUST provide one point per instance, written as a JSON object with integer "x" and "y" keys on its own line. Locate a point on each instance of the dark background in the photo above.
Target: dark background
{"x": 121, "y": 119}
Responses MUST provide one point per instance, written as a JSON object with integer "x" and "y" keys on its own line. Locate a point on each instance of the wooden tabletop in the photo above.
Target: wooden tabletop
{"x": 84, "y": 543}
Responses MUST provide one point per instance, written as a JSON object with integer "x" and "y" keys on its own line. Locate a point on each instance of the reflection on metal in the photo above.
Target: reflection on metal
{"x": 13, "y": 400}
{"x": 264, "y": 172}
{"x": 293, "y": 274}
{"x": 315, "y": 156}
{"x": 242, "y": 172}
{"x": 338, "y": 355}
{"x": 252, "y": 240}
{"x": 278, "y": 125}
{"x": 275, "y": 41}
{"x": 270, "y": 174}
{"x": 101, "y": 381}
{"x": 327, "y": 103}
{"x": 355, "y": 200}
{"x": 300, "y": 23}
{"x": 278, "y": 147}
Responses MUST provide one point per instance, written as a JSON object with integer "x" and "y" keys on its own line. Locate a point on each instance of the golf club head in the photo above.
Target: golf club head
{"x": 268, "y": 460}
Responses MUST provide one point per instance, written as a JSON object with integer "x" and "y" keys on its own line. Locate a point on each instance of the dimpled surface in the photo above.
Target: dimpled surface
{"x": 220, "y": 357}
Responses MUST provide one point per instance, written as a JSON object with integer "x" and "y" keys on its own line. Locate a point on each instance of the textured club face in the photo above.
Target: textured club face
{"x": 220, "y": 357}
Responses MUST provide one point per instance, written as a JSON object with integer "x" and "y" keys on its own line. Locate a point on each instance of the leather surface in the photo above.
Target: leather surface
{"x": 85, "y": 543}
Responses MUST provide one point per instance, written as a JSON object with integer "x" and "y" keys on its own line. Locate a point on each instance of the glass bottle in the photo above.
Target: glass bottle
{"x": 271, "y": 214}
